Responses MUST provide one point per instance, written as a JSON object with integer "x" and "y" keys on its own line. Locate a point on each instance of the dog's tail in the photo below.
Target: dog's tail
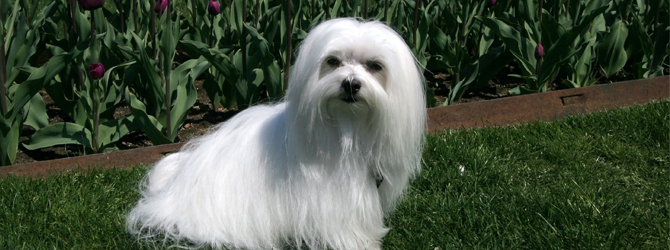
{"x": 143, "y": 221}
{"x": 161, "y": 174}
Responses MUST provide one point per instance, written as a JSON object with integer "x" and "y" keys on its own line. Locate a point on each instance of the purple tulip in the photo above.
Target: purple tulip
{"x": 492, "y": 3}
{"x": 91, "y": 4}
{"x": 539, "y": 51}
{"x": 214, "y": 8}
{"x": 96, "y": 70}
{"x": 160, "y": 7}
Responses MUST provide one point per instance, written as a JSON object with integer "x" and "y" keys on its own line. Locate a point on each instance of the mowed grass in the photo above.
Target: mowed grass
{"x": 590, "y": 182}
{"x": 598, "y": 181}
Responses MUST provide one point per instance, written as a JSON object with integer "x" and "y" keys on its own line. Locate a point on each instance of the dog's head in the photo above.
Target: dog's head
{"x": 345, "y": 65}
{"x": 355, "y": 87}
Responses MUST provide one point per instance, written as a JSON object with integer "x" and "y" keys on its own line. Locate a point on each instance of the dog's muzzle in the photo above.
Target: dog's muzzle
{"x": 350, "y": 87}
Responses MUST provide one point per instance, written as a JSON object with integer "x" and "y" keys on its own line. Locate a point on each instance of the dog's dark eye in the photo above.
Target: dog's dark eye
{"x": 375, "y": 66}
{"x": 332, "y": 61}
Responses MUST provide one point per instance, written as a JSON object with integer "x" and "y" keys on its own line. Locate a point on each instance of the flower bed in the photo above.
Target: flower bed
{"x": 98, "y": 75}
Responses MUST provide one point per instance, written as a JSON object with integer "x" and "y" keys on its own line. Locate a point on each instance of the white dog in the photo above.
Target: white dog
{"x": 320, "y": 170}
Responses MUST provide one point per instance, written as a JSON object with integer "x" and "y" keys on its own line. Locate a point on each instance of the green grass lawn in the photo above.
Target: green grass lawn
{"x": 590, "y": 182}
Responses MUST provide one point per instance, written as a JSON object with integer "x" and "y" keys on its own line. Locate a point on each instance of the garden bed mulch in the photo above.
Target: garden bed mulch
{"x": 495, "y": 112}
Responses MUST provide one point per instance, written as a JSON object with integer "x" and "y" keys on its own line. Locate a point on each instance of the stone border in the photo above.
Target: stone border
{"x": 498, "y": 112}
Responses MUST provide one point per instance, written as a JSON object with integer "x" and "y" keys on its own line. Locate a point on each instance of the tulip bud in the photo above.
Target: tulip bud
{"x": 96, "y": 70}
{"x": 492, "y": 3}
{"x": 160, "y": 7}
{"x": 214, "y": 8}
{"x": 91, "y": 4}
{"x": 539, "y": 51}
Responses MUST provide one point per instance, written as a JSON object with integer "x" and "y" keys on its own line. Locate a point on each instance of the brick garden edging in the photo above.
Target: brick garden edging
{"x": 498, "y": 112}
{"x": 548, "y": 106}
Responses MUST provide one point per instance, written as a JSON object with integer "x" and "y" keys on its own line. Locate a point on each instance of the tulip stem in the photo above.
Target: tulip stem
{"x": 75, "y": 38}
{"x": 3, "y": 90}
{"x": 538, "y": 65}
{"x": 119, "y": 7}
{"x": 92, "y": 27}
{"x": 193, "y": 12}
{"x": 94, "y": 89}
{"x": 417, "y": 6}
{"x": 152, "y": 27}
{"x": 135, "y": 14}
{"x": 365, "y": 10}
{"x": 386, "y": 10}
{"x": 211, "y": 34}
{"x": 166, "y": 77}
{"x": 243, "y": 43}
{"x": 258, "y": 7}
{"x": 289, "y": 38}
{"x": 73, "y": 11}
{"x": 96, "y": 115}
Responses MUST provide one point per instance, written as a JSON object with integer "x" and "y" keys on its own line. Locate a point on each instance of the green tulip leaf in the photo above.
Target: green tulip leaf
{"x": 59, "y": 134}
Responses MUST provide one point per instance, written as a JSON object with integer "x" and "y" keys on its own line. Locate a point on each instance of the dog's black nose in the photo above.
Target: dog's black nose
{"x": 351, "y": 86}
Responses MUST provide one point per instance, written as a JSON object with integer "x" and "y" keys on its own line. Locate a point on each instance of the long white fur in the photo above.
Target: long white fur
{"x": 300, "y": 172}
